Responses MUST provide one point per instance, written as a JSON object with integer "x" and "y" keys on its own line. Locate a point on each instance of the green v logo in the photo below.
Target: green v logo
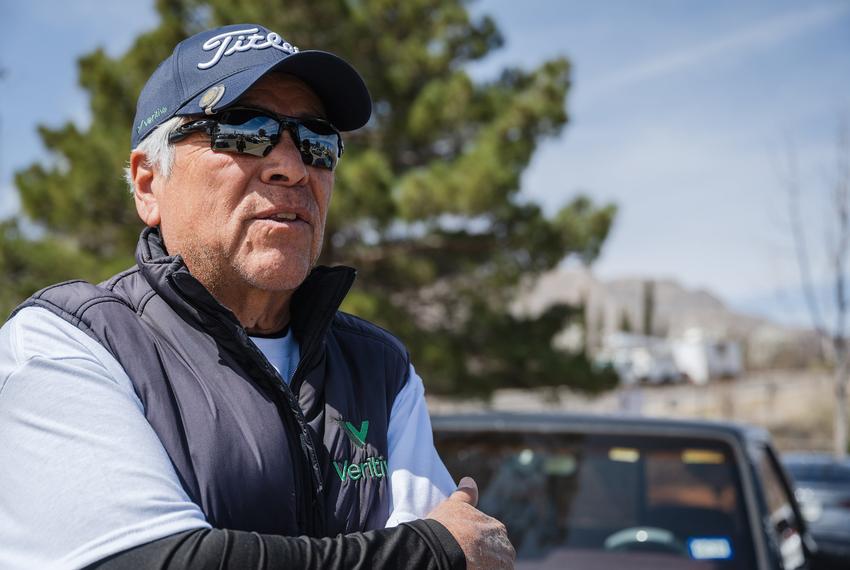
{"x": 357, "y": 436}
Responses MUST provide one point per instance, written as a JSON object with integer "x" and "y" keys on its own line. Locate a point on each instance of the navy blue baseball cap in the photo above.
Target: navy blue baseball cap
{"x": 211, "y": 70}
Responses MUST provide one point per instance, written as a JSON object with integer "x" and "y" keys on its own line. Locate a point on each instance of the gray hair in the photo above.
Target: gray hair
{"x": 159, "y": 154}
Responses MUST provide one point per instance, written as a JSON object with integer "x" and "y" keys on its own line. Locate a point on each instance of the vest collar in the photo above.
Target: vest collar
{"x": 312, "y": 307}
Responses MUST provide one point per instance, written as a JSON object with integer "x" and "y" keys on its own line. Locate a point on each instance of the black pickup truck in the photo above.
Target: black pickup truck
{"x": 593, "y": 492}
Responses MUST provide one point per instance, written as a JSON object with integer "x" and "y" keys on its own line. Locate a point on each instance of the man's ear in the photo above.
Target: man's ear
{"x": 144, "y": 177}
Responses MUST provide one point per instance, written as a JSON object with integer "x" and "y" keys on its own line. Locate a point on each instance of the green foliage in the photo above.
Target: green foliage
{"x": 426, "y": 202}
{"x": 29, "y": 265}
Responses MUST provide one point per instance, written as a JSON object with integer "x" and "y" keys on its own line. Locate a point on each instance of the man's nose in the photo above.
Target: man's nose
{"x": 283, "y": 163}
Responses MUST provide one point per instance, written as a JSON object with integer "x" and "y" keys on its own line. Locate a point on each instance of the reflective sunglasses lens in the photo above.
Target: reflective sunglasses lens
{"x": 241, "y": 144}
{"x": 250, "y": 131}
{"x": 317, "y": 149}
{"x": 246, "y": 132}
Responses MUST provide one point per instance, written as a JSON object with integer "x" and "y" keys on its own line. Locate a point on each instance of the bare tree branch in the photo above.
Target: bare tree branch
{"x": 792, "y": 187}
{"x": 837, "y": 247}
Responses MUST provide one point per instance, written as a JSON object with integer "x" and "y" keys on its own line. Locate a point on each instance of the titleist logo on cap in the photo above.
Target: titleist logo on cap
{"x": 245, "y": 40}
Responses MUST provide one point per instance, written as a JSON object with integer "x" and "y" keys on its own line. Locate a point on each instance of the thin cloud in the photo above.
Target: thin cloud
{"x": 758, "y": 36}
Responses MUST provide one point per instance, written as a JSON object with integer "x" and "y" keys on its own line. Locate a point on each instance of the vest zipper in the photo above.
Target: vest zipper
{"x": 292, "y": 390}
{"x": 316, "y": 524}
{"x": 311, "y": 343}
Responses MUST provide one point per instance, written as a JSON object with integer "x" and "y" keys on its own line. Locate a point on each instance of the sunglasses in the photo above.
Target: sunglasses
{"x": 244, "y": 130}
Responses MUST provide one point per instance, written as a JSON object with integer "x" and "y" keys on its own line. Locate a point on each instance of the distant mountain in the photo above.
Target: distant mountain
{"x": 788, "y": 305}
{"x": 676, "y": 309}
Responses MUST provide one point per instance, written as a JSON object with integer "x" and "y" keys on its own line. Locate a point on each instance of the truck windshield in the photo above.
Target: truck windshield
{"x": 672, "y": 496}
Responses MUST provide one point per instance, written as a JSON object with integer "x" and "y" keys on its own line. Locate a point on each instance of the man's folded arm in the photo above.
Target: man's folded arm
{"x": 421, "y": 544}
{"x": 87, "y": 482}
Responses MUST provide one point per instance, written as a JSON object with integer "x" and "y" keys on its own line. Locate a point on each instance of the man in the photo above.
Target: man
{"x": 210, "y": 407}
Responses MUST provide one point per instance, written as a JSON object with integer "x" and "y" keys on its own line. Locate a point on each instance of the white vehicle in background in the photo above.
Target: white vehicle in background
{"x": 654, "y": 366}
{"x": 654, "y": 360}
{"x": 701, "y": 358}
{"x": 640, "y": 359}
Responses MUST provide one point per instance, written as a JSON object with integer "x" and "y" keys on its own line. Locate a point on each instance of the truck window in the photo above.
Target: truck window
{"x": 670, "y": 496}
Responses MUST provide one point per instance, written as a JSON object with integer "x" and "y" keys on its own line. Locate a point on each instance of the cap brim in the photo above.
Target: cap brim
{"x": 338, "y": 85}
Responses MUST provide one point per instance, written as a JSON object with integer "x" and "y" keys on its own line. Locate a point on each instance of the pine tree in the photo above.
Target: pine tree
{"x": 648, "y": 312}
{"x": 626, "y": 322}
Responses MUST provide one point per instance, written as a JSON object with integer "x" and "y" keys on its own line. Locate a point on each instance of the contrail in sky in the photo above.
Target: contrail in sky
{"x": 760, "y": 35}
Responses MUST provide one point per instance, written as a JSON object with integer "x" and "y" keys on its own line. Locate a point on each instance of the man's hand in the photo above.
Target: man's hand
{"x": 483, "y": 539}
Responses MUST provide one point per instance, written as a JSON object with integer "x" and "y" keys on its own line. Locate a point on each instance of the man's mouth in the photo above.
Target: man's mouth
{"x": 282, "y": 217}
{"x": 285, "y": 217}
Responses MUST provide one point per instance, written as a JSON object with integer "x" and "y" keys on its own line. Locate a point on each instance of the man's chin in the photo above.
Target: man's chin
{"x": 277, "y": 279}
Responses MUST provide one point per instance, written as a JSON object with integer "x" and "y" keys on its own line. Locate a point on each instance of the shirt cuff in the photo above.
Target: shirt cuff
{"x": 445, "y": 548}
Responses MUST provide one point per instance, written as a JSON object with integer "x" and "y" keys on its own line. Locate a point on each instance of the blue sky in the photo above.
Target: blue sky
{"x": 680, "y": 113}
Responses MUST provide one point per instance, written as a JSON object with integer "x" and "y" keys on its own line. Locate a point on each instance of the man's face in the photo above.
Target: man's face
{"x": 216, "y": 208}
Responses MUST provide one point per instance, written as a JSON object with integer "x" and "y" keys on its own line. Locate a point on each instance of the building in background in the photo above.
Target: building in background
{"x": 695, "y": 356}
{"x": 757, "y": 343}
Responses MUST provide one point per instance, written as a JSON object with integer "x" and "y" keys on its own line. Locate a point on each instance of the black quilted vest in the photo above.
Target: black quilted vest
{"x": 253, "y": 453}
